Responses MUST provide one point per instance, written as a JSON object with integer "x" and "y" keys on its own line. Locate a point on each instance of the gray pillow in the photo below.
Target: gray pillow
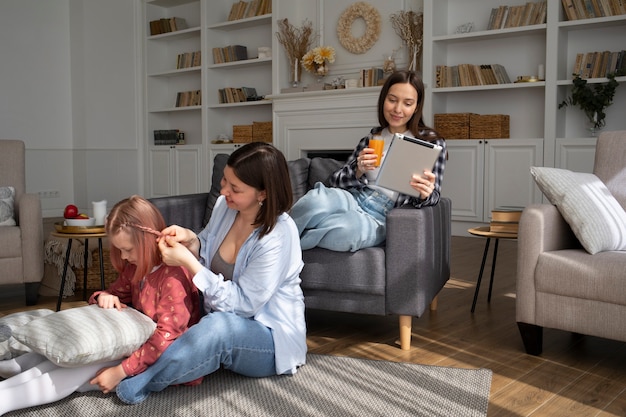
{"x": 84, "y": 335}
{"x": 219, "y": 163}
{"x": 321, "y": 170}
{"x": 299, "y": 176}
{"x": 594, "y": 215}
{"x": 7, "y": 199}
{"x": 11, "y": 347}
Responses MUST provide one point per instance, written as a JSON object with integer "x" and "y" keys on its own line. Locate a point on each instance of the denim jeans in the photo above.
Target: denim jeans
{"x": 341, "y": 220}
{"x": 241, "y": 345}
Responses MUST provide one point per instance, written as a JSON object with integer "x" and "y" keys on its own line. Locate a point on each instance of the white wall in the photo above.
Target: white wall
{"x": 69, "y": 89}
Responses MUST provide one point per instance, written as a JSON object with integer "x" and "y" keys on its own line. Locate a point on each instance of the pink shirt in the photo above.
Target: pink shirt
{"x": 166, "y": 295}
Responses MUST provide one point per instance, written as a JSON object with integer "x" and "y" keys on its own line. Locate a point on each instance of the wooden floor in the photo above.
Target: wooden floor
{"x": 575, "y": 375}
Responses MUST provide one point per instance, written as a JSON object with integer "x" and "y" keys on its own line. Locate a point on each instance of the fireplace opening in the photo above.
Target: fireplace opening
{"x": 337, "y": 154}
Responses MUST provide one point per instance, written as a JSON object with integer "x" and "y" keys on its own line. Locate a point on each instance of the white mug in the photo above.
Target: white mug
{"x": 99, "y": 211}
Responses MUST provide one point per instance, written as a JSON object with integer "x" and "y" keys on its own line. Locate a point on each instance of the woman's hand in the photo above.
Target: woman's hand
{"x": 106, "y": 300}
{"x": 179, "y": 234}
{"x": 424, "y": 184}
{"x": 108, "y": 378}
{"x": 175, "y": 253}
{"x": 366, "y": 161}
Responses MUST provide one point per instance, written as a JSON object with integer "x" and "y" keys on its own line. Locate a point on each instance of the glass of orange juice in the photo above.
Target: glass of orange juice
{"x": 377, "y": 143}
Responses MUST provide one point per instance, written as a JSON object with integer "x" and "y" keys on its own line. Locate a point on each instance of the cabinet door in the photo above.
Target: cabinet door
{"x": 576, "y": 154}
{"x": 187, "y": 175}
{"x": 507, "y": 173}
{"x": 463, "y": 179}
{"x": 160, "y": 171}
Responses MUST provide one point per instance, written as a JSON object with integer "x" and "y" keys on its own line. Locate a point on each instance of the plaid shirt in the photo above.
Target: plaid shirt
{"x": 346, "y": 176}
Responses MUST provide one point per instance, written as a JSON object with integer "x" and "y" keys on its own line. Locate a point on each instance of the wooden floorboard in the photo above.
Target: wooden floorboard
{"x": 574, "y": 376}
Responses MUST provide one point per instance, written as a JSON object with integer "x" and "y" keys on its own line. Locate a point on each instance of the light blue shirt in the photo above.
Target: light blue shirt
{"x": 265, "y": 284}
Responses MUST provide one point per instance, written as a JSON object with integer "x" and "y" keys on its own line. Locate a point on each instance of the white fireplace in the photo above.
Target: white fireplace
{"x": 323, "y": 121}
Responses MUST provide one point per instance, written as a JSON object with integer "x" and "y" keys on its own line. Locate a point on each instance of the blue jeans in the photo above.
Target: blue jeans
{"x": 341, "y": 220}
{"x": 241, "y": 345}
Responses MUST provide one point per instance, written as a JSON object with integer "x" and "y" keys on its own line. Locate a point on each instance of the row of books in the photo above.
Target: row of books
{"x": 229, "y": 54}
{"x": 246, "y": 9}
{"x": 587, "y": 9}
{"x": 237, "y": 94}
{"x": 166, "y": 25}
{"x": 505, "y": 219}
{"x": 599, "y": 64}
{"x": 371, "y": 77}
{"x": 188, "y": 59}
{"x": 188, "y": 98}
{"x": 169, "y": 137}
{"x": 503, "y": 17}
{"x": 463, "y": 75}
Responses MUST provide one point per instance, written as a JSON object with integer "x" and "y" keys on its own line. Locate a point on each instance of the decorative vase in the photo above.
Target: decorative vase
{"x": 594, "y": 125}
{"x": 321, "y": 70}
{"x": 295, "y": 72}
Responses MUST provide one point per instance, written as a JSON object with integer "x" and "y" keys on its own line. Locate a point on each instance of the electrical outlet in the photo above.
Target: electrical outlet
{"x": 49, "y": 194}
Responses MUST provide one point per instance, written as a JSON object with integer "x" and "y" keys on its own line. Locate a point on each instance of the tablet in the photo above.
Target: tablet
{"x": 406, "y": 156}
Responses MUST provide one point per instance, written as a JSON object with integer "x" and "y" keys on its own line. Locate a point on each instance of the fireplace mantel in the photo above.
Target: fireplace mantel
{"x": 325, "y": 120}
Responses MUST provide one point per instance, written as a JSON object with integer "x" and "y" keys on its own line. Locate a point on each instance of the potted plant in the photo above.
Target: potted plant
{"x": 592, "y": 99}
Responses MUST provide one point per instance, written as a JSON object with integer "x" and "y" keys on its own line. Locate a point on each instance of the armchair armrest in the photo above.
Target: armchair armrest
{"x": 417, "y": 256}
{"x": 30, "y": 221}
{"x": 186, "y": 210}
{"x": 541, "y": 229}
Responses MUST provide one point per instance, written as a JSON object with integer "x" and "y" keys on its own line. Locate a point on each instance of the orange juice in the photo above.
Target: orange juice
{"x": 378, "y": 144}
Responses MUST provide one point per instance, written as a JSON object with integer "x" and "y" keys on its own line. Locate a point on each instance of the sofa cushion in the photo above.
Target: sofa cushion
{"x": 594, "y": 215}
{"x": 362, "y": 271}
{"x": 299, "y": 176}
{"x": 219, "y": 163}
{"x": 321, "y": 170}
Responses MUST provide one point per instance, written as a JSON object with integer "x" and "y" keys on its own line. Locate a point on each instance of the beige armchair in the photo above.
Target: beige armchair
{"x": 559, "y": 284}
{"x": 21, "y": 246}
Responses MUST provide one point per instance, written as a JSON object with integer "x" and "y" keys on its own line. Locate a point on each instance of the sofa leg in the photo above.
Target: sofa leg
{"x": 31, "y": 289}
{"x": 532, "y": 336}
{"x": 434, "y": 303}
{"x": 405, "y": 332}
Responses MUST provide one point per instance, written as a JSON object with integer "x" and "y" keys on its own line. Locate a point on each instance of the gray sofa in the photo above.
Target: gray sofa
{"x": 559, "y": 284}
{"x": 402, "y": 277}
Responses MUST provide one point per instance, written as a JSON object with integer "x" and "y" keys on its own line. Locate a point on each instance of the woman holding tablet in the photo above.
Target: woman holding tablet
{"x": 352, "y": 213}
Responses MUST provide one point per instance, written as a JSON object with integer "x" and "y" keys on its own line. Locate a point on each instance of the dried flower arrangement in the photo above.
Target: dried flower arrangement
{"x": 296, "y": 41}
{"x": 409, "y": 25}
{"x": 317, "y": 59}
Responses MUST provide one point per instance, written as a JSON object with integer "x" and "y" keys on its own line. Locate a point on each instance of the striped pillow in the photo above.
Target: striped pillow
{"x": 85, "y": 335}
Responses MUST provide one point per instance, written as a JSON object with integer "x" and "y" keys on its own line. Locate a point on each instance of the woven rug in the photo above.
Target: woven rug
{"x": 325, "y": 386}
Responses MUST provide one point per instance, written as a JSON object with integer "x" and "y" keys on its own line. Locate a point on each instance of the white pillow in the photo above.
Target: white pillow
{"x": 595, "y": 216}
{"x": 7, "y": 198}
{"x": 84, "y": 335}
{"x": 10, "y": 347}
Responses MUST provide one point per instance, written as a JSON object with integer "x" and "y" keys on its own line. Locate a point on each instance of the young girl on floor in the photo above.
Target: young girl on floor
{"x": 164, "y": 293}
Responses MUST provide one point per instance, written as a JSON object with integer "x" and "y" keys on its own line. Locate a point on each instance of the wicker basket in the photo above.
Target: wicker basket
{"x": 489, "y": 126}
{"x": 262, "y": 132}
{"x": 93, "y": 272}
{"x": 242, "y": 133}
{"x": 453, "y": 125}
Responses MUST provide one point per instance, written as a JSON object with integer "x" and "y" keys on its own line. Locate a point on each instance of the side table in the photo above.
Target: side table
{"x": 85, "y": 236}
{"x": 484, "y": 232}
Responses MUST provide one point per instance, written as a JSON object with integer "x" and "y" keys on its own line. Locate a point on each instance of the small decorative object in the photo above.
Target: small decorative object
{"x": 465, "y": 28}
{"x": 265, "y": 52}
{"x": 409, "y": 25}
{"x": 592, "y": 100}
{"x": 296, "y": 41}
{"x": 317, "y": 59}
{"x": 371, "y": 16}
{"x": 389, "y": 64}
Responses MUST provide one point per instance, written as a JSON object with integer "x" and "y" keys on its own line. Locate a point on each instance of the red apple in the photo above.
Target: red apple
{"x": 70, "y": 211}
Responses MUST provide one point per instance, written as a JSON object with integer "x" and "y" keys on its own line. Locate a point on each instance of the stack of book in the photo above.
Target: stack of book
{"x": 167, "y": 25}
{"x": 599, "y": 64}
{"x": 463, "y": 75}
{"x": 505, "y": 220}
{"x": 587, "y": 9}
{"x": 371, "y": 77}
{"x": 169, "y": 137}
{"x": 188, "y": 59}
{"x": 189, "y": 98}
{"x": 246, "y": 9}
{"x": 237, "y": 95}
{"x": 229, "y": 54}
{"x": 503, "y": 17}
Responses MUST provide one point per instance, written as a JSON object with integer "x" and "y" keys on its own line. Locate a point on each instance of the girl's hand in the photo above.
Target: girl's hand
{"x": 108, "y": 378}
{"x": 424, "y": 184}
{"x": 106, "y": 300}
{"x": 366, "y": 161}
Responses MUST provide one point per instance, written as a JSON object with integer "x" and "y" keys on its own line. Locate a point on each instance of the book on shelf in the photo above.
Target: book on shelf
{"x": 229, "y": 54}
{"x": 371, "y": 77}
{"x": 531, "y": 13}
{"x": 188, "y": 98}
{"x": 237, "y": 95}
{"x": 166, "y": 25}
{"x": 247, "y": 9}
{"x": 188, "y": 60}
{"x": 588, "y": 9}
{"x": 169, "y": 137}
{"x": 464, "y": 75}
{"x": 599, "y": 64}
